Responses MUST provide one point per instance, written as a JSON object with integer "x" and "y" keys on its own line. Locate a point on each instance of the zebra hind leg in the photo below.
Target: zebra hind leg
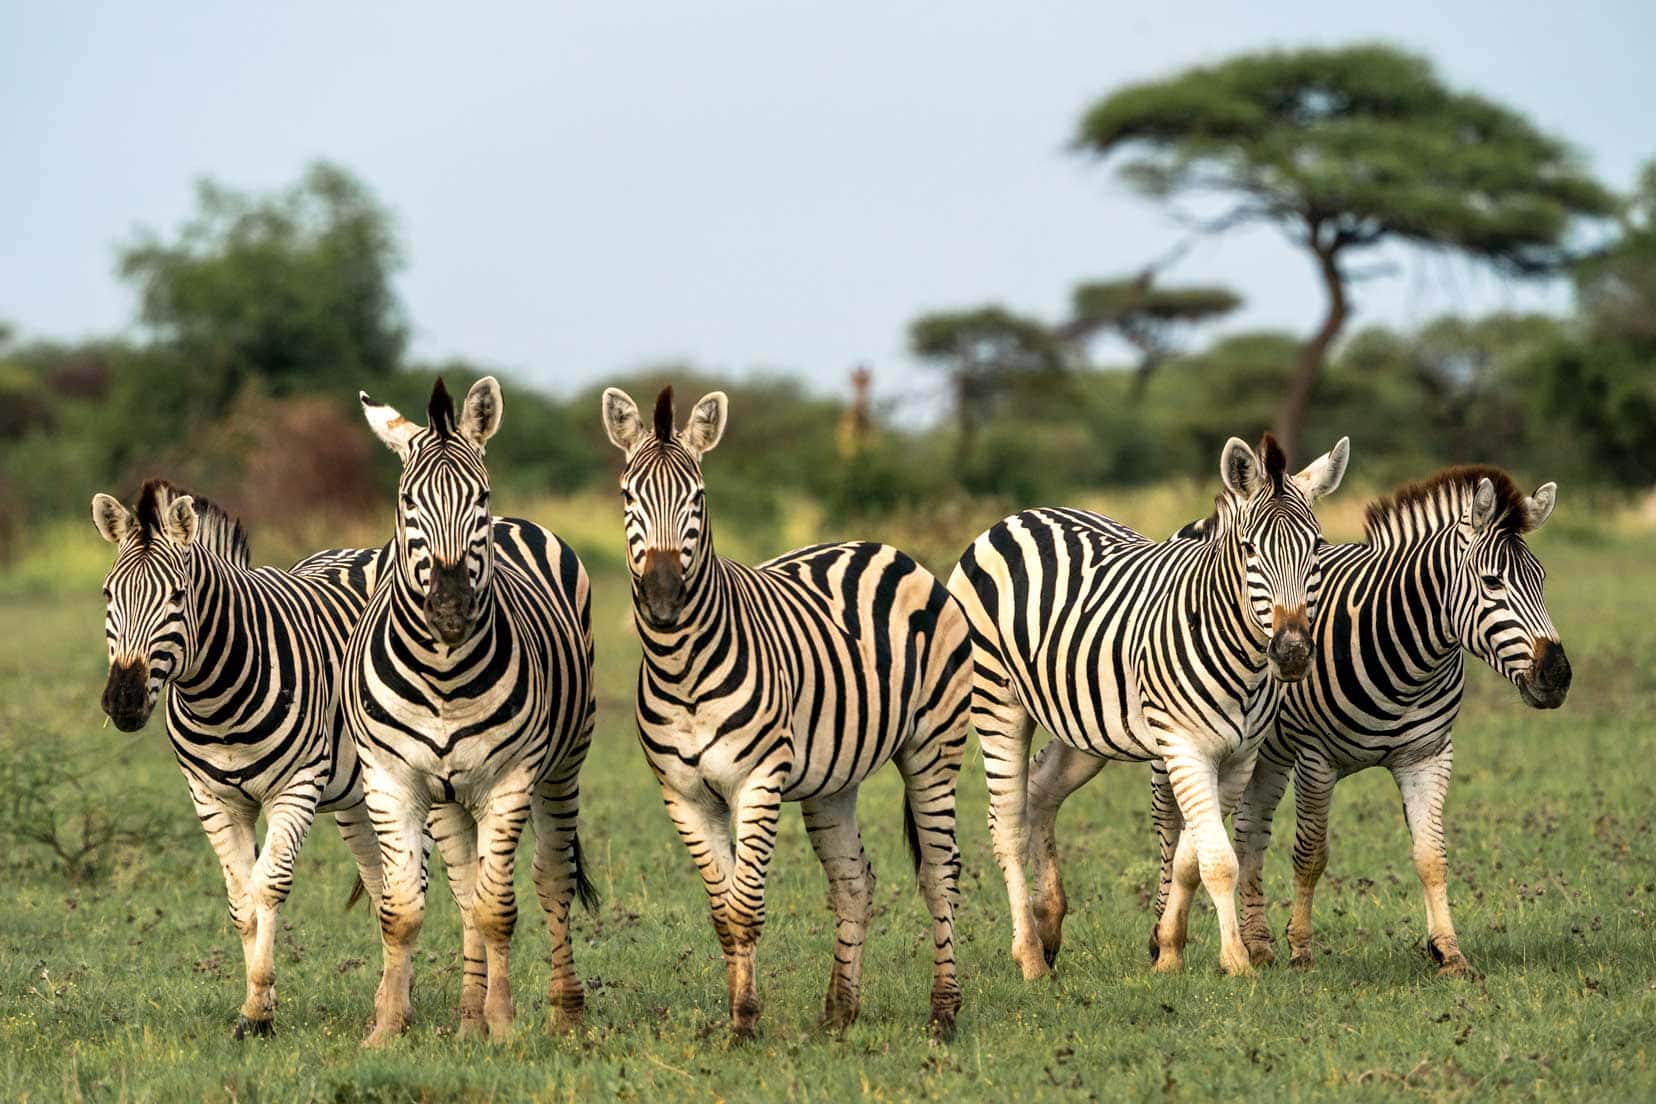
{"x": 931, "y": 780}
{"x": 832, "y": 826}
{"x": 455, "y": 833}
{"x": 1169, "y": 822}
{"x": 1004, "y": 728}
{"x": 559, "y": 879}
{"x": 1059, "y": 771}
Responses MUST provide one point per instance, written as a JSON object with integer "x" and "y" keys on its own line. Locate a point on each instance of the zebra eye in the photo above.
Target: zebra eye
{"x": 178, "y": 595}
{"x": 1248, "y": 547}
{"x": 408, "y": 501}
{"x": 108, "y": 597}
{"x": 1493, "y": 582}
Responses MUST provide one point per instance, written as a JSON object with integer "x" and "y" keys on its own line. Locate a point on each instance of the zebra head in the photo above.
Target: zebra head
{"x": 445, "y": 531}
{"x": 1265, "y": 516}
{"x": 663, "y": 497}
{"x": 1494, "y": 596}
{"x": 148, "y": 617}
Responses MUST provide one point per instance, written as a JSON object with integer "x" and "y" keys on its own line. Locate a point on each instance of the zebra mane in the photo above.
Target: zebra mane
{"x": 1437, "y": 502}
{"x": 440, "y": 410}
{"x": 664, "y": 414}
{"x": 1276, "y": 461}
{"x": 215, "y": 530}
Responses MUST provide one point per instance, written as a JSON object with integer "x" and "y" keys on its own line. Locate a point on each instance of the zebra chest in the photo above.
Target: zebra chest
{"x": 694, "y": 749}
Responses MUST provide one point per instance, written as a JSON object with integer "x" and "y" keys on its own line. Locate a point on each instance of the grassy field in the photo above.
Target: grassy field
{"x": 123, "y": 983}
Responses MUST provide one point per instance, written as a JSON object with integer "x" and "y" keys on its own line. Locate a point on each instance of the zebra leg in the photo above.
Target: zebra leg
{"x": 230, "y": 831}
{"x": 1164, "y": 814}
{"x": 455, "y": 833}
{"x": 495, "y": 907}
{"x": 358, "y": 834}
{"x": 758, "y": 808}
{"x": 1424, "y": 786}
{"x": 704, "y": 825}
{"x": 1204, "y": 852}
{"x": 1252, "y": 830}
{"x": 831, "y": 823}
{"x": 287, "y": 820}
{"x": 1314, "y": 780}
{"x": 1059, "y": 771}
{"x": 931, "y": 781}
{"x": 558, "y": 876}
{"x": 1004, "y": 728}
{"x": 399, "y": 819}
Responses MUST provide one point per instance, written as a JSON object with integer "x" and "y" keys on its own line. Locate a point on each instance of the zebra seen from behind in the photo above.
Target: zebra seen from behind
{"x": 1128, "y": 649}
{"x": 252, "y": 656}
{"x": 790, "y": 681}
{"x": 1443, "y": 569}
{"x": 469, "y": 693}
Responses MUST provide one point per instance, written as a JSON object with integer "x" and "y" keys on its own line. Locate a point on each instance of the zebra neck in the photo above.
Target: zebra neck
{"x": 1224, "y": 578}
{"x": 1415, "y": 582}
{"x": 221, "y": 630}
{"x": 682, "y": 653}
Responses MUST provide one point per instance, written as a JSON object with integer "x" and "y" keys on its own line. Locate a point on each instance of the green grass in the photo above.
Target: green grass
{"x": 125, "y": 986}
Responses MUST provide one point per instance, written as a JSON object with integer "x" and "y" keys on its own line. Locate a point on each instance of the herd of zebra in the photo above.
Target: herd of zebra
{"x": 439, "y": 691}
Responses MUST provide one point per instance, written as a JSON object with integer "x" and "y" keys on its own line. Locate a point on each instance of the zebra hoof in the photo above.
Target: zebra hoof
{"x": 1049, "y": 951}
{"x": 1261, "y": 953}
{"x": 1302, "y": 960}
{"x": 259, "y": 1029}
{"x": 942, "y": 1027}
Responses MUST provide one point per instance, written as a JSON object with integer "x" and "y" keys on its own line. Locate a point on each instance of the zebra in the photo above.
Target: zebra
{"x": 1129, "y": 649}
{"x": 1443, "y": 568}
{"x": 468, "y": 692}
{"x": 790, "y": 681}
{"x": 252, "y": 656}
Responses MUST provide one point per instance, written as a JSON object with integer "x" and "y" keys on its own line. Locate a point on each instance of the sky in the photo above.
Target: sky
{"x": 581, "y": 190}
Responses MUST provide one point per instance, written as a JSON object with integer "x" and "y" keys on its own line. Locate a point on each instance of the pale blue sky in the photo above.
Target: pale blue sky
{"x": 582, "y": 189}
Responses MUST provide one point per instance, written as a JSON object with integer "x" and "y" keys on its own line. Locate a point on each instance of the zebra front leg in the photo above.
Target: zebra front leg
{"x": 1252, "y": 830}
{"x": 1424, "y": 786}
{"x": 931, "y": 781}
{"x": 495, "y": 906}
{"x": 757, "y": 810}
{"x": 455, "y": 834}
{"x": 399, "y": 818}
{"x": 1059, "y": 771}
{"x": 1204, "y": 852}
{"x": 831, "y": 823}
{"x": 1314, "y": 780}
{"x": 287, "y": 820}
{"x": 703, "y": 824}
{"x": 230, "y": 830}
{"x": 559, "y": 877}
{"x": 358, "y": 834}
{"x": 1004, "y": 728}
{"x": 1164, "y": 814}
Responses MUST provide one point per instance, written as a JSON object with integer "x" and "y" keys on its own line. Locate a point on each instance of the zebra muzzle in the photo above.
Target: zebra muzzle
{"x": 1289, "y": 652}
{"x": 661, "y": 587}
{"x": 1548, "y": 680}
{"x": 449, "y": 601}
{"x": 126, "y": 696}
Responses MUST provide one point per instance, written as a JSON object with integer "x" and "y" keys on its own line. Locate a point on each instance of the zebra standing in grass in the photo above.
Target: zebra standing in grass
{"x": 790, "y": 681}
{"x": 252, "y": 655}
{"x": 468, "y": 691}
{"x": 1443, "y": 567}
{"x": 1128, "y": 649}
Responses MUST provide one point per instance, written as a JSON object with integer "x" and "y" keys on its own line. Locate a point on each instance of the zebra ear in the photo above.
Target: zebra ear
{"x": 1239, "y": 468}
{"x": 621, "y": 419}
{"x": 1483, "y": 506}
{"x": 1322, "y": 476}
{"x": 707, "y": 423}
{"x": 179, "y": 521}
{"x": 111, "y": 518}
{"x": 389, "y": 426}
{"x": 480, "y": 416}
{"x": 1538, "y": 507}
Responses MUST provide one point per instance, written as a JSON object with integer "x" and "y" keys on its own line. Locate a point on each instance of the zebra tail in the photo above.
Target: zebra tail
{"x": 584, "y": 889}
{"x": 912, "y": 831}
{"x": 358, "y": 892}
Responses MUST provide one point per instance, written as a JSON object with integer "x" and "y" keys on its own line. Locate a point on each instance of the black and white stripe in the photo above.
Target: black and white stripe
{"x": 469, "y": 694}
{"x": 1443, "y": 569}
{"x": 791, "y": 681}
{"x": 252, "y": 656}
{"x": 1128, "y": 649}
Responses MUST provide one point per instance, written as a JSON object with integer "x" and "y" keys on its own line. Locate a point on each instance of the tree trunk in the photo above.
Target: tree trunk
{"x": 1313, "y": 354}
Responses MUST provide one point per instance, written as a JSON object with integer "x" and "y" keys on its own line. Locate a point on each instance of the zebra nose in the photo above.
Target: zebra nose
{"x": 1290, "y": 649}
{"x": 126, "y": 696}
{"x": 1549, "y": 676}
{"x": 662, "y": 586}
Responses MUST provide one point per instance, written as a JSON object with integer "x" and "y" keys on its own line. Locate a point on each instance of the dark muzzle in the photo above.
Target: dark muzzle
{"x": 125, "y": 698}
{"x": 1548, "y": 680}
{"x": 661, "y": 588}
{"x": 1289, "y": 652}
{"x": 449, "y": 602}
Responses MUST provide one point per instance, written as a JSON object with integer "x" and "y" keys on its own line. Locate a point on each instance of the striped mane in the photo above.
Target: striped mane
{"x": 216, "y": 530}
{"x": 1437, "y": 502}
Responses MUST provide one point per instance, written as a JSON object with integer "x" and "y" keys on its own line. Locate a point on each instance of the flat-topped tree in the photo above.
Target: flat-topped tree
{"x": 1147, "y": 317}
{"x": 985, "y": 352}
{"x": 1343, "y": 149}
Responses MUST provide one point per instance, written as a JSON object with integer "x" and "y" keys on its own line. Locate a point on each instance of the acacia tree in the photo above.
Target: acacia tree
{"x": 1343, "y": 149}
{"x": 1147, "y": 317}
{"x": 986, "y": 352}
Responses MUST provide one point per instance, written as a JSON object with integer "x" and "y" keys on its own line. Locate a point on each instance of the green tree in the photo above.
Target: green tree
{"x": 1344, "y": 149}
{"x": 292, "y": 289}
{"x": 1147, "y": 317}
{"x": 987, "y": 353}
